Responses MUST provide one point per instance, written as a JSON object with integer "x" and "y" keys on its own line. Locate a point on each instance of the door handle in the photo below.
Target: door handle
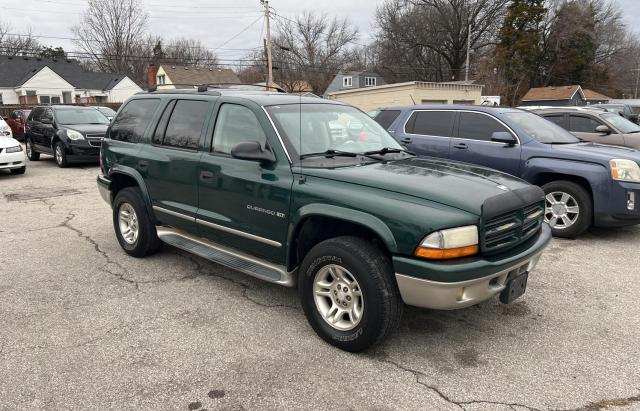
{"x": 406, "y": 140}
{"x": 206, "y": 175}
{"x": 461, "y": 146}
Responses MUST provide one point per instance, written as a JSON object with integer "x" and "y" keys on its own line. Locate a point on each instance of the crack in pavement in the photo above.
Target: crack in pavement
{"x": 605, "y": 404}
{"x": 442, "y": 395}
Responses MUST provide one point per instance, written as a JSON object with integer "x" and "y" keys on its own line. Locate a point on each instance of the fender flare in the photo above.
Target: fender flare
{"x": 133, "y": 173}
{"x": 341, "y": 213}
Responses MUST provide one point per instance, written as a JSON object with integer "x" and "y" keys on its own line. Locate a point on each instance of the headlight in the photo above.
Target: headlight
{"x": 450, "y": 243}
{"x": 625, "y": 170}
{"x": 74, "y": 135}
{"x": 4, "y": 127}
{"x": 15, "y": 149}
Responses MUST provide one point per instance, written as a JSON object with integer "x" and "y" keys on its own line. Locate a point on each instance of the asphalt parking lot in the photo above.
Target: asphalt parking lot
{"x": 84, "y": 326}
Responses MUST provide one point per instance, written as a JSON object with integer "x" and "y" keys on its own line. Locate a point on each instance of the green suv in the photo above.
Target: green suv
{"x": 306, "y": 192}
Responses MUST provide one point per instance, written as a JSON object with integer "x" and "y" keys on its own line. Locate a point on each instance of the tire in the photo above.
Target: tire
{"x": 20, "y": 170}
{"x": 146, "y": 241}
{"x": 567, "y": 195}
{"x": 60, "y": 154}
{"x": 379, "y": 302}
{"x": 31, "y": 153}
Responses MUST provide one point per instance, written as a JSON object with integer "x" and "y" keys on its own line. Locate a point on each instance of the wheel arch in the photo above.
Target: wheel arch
{"x": 548, "y": 177}
{"x": 318, "y": 222}
{"x": 122, "y": 177}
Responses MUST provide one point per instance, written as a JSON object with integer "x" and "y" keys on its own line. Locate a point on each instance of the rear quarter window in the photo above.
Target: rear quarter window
{"x": 132, "y": 121}
{"x": 386, "y": 117}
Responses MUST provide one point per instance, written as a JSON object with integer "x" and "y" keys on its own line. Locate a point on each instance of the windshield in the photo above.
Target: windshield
{"x": 107, "y": 111}
{"x": 622, "y": 124}
{"x": 317, "y": 128}
{"x": 540, "y": 129}
{"x": 71, "y": 116}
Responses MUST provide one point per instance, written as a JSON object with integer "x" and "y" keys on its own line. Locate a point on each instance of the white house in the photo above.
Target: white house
{"x": 31, "y": 80}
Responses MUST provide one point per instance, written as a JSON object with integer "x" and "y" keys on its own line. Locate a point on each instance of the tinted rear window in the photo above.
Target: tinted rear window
{"x": 133, "y": 120}
{"x": 386, "y": 117}
{"x": 431, "y": 123}
{"x": 185, "y": 124}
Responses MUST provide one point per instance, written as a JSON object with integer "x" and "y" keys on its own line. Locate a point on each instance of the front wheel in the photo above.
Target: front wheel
{"x": 349, "y": 294}
{"x": 60, "y": 154}
{"x": 568, "y": 208}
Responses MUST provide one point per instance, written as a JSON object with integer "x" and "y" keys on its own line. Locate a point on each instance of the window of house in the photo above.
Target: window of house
{"x": 185, "y": 124}
{"x": 582, "y": 124}
{"x": 347, "y": 81}
{"x": 55, "y": 100}
{"x": 475, "y": 126}
{"x": 161, "y": 79}
{"x": 45, "y": 100}
{"x": 369, "y": 81}
{"x": 132, "y": 121}
{"x": 1, "y": 99}
{"x": 236, "y": 124}
{"x": 430, "y": 123}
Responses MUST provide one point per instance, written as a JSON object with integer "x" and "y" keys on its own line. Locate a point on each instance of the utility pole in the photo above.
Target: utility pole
{"x": 466, "y": 69}
{"x": 269, "y": 61}
{"x": 635, "y": 95}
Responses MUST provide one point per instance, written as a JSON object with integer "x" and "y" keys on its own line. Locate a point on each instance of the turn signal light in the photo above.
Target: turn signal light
{"x": 445, "y": 254}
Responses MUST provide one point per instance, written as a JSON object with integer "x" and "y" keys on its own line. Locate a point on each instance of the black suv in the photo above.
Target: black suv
{"x": 69, "y": 133}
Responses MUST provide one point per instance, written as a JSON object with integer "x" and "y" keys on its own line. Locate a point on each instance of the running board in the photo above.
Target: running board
{"x": 225, "y": 256}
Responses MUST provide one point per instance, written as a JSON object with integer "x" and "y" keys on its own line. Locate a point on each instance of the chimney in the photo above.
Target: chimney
{"x": 152, "y": 73}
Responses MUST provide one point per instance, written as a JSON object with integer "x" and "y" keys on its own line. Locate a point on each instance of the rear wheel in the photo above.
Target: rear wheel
{"x": 20, "y": 170}
{"x": 31, "y": 153}
{"x": 568, "y": 208}
{"x": 134, "y": 228}
{"x": 60, "y": 154}
{"x": 349, "y": 294}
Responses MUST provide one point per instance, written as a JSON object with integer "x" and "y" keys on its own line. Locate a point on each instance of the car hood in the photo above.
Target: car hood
{"x": 88, "y": 128}
{"x": 8, "y": 142}
{"x": 461, "y": 185}
{"x": 595, "y": 151}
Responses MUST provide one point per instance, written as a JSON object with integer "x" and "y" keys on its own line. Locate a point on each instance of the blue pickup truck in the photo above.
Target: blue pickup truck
{"x": 585, "y": 183}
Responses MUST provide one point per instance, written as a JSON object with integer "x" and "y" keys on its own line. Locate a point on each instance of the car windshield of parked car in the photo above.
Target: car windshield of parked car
{"x": 71, "y": 116}
{"x": 540, "y": 129}
{"x": 327, "y": 128}
{"x": 625, "y": 126}
{"x": 107, "y": 111}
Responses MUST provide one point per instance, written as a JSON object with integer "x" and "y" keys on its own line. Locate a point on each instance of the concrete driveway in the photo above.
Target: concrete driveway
{"x": 84, "y": 326}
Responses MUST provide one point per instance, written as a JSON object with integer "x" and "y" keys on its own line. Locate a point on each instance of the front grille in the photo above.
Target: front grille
{"x": 95, "y": 140}
{"x": 512, "y": 228}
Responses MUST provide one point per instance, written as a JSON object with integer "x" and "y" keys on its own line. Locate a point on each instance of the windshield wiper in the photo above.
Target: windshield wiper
{"x": 329, "y": 154}
{"x": 387, "y": 150}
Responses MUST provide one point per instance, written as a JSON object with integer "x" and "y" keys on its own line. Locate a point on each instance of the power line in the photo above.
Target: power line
{"x": 238, "y": 34}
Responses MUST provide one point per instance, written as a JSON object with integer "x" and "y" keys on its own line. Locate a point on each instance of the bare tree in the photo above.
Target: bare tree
{"x": 13, "y": 45}
{"x": 188, "y": 52}
{"x": 111, "y": 33}
{"x": 312, "y": 48}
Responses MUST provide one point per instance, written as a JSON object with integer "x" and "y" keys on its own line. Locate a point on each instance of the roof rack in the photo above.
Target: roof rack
{"x": 204, "y": 87}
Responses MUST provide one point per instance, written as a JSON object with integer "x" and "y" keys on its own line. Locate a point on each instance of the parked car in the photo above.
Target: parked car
{"x": 69, "y": 133}
{"x": 623, "y": 110}
{"x": 585, "y": 183}
{"x": 259, "y": 182}
{"x": 17, "y": 121}
{"x": 5, "y": 129}
{"x": 106, "y": 111}
{"x": 598, "y": 126}
{"x": 12, "y": 156}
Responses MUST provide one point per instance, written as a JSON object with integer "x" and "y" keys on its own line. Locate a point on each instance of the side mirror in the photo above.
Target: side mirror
{"x": 504, "y": 137}
{"x": 602, "y": 129}
{"x": 253, "y": 151}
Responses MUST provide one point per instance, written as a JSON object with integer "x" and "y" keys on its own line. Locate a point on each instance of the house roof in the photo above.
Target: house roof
{"x": 552, "y": 93}
{"x": 594, "y": 95}
{"x": 16, "y": 70}
{"x": 197, "y": 75}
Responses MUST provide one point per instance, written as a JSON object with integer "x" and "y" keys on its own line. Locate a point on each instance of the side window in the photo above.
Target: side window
{"x": 431, "y": 123}
{"x": 35, "y": 114}
{"x": 158, "y": 135}
{"x": 130, "y": 124}
{"x": 474, "y": 126}
{"x": 234, "y": 125}
{"x": 185, "y": 124}
{"x": 582, "y": 124}
{"x": 557, "y": 119}
{"x": 47, "y": 114}
{"x": 386, "y": 117}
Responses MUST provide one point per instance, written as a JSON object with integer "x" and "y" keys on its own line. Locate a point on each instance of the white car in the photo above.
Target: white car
{"x": 12, "y": 155}
{"x": 5, "y": 130}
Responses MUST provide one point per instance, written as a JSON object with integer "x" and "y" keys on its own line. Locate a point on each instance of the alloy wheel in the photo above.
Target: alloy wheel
{"x": 338, "y": 297}
{"x": 59, "y": 154}
{"x": 561, "y": 210}
{"x": 128, "y": 223}
{"x": 28, "y": 148}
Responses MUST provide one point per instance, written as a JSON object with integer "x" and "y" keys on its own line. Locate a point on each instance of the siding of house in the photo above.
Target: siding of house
{"x": 358, "y": 82}
{"x": 9, "y": 96}
{"x": 123, "y": 90}
{"x": 47, "y": 83}
{"x": 414, "y": 92}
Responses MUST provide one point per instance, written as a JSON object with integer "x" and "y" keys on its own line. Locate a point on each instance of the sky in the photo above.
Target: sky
{"x": 223, "y": 25}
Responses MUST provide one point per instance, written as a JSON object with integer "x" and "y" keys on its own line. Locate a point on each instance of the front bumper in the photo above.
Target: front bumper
{"x": 83, "y": 152}
{"x": 452, "y": 285}
{"x": 9, "y": 161}
{"x": 621, "y": 207}
{"x": 104, "y": 187}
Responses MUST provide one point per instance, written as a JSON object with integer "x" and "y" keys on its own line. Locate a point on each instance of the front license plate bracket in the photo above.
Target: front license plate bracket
{"x": 514, "y": 289}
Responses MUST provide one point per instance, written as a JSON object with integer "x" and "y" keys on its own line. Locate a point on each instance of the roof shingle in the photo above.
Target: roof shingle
{"x": 184, "y": 76}
{"x": 550, "y": 93}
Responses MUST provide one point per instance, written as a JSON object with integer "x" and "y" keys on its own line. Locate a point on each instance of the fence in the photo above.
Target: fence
{"x": 5, "y": 110}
